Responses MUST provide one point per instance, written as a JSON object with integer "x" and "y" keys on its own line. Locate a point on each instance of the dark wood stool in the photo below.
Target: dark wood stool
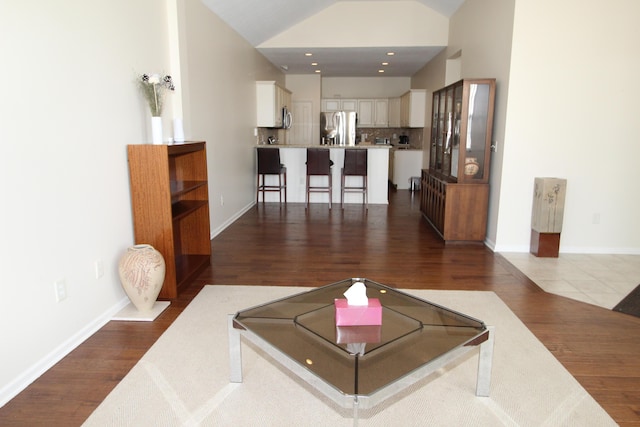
{"x": 355, "y": 164}
{"x": 269, "y": 164}
{"x": 318, "y": 164}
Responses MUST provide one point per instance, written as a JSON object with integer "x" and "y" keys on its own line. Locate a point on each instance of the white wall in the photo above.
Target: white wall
{"x": 364, "y": 87}
{"x": 220, "y": 70}
{"x": 70, "y": 106}
{"x": 480, "y": 38}
{"x": 573, "y": 113}
{"x": 481, "y": 31}
{"x": 565, "y": 107}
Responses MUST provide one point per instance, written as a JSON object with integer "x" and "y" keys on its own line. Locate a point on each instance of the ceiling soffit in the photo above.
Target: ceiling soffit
{"x": 349, "y": 38}
{"x": 362, "y": 24}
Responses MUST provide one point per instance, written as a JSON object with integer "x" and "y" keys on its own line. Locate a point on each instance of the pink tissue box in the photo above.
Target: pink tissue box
{"x": 358, "y": 315}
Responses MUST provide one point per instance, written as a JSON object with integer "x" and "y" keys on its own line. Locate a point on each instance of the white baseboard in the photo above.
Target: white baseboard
{"x": 16, "y": 386}
{"x": 231, "y": 220}
{"x": 12, "y": 389}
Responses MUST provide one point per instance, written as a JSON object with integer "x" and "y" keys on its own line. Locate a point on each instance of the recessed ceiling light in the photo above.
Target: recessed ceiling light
{"x": 314, "y": 63}
{"x": 308, "y": 54}
{"x": 390, "y": 53}
{"x": 381, "y": 71}
{"x": 317, "y": 71}
{"x": 385, "y": 63}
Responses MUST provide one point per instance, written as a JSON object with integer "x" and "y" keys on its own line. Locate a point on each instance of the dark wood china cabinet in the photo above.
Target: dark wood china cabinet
{"x": 455, "y": 187}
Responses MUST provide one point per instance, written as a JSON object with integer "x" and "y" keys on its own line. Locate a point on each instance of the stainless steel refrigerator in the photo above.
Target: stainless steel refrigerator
{"x": 338, "y": 128}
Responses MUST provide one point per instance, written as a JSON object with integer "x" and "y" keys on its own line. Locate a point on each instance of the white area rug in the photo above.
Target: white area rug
{"x": 183, "y": 380}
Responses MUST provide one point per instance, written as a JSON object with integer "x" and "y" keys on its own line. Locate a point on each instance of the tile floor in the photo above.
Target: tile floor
{"x": 602, "y": 280}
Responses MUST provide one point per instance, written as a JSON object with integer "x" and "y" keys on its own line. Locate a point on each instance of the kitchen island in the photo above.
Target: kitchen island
{"x": 294, "y": 158}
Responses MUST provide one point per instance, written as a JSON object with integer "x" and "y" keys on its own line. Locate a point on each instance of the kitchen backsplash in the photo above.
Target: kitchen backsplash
{"x": 280, "y": 135}
{"x": 415, "y": 135}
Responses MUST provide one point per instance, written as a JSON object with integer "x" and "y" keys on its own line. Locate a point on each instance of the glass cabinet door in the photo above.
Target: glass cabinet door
{"x": 461, "y": 126}
{"x": 455, "y": 143}
{"x": 476, "y": 137}
{"x": 434, "y": 131}
{"x": 441, "y": 130}
{"x": 448, "y": 132}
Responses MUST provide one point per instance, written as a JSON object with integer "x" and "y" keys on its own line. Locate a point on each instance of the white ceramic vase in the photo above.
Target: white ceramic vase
{"x": 156, "y": 130}
{"x": 142, "y": 270}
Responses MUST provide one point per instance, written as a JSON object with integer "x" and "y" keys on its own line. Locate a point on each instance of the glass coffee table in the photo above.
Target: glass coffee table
{"x": 360, "y": 366}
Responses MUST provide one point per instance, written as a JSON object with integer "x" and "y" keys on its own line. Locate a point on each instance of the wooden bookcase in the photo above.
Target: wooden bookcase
{"x": 170, "y": 203}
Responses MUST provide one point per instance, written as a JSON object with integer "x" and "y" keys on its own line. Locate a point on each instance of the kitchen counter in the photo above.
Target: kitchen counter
{"x": 294, "y": 157}
{"x": 336, "y": 147}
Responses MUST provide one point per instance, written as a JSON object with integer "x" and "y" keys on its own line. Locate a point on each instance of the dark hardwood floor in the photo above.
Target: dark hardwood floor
{"x": 391, "y": 244}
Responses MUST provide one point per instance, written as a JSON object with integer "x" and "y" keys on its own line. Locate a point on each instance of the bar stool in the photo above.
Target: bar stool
{"x": 269, "y": 164}
{"x": 318, "y": 164}
{"x": 355, "y": 164}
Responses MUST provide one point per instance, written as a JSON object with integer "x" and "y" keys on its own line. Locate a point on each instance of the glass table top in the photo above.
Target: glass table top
{"x": 360, "y": 360}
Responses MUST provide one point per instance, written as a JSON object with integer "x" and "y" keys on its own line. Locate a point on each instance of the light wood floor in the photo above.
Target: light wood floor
{"x": 391, "y": 244}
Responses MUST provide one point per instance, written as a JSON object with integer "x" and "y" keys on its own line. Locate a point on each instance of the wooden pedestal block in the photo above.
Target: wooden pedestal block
{"x": 545, "y": 245}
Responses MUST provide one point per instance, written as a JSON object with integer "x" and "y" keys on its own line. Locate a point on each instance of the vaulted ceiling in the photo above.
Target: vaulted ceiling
{"x": 258, "y": 21}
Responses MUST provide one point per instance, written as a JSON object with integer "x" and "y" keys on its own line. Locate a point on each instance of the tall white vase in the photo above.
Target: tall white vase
{"x": 156, "y": 130}
{"x": 142, "y": 270}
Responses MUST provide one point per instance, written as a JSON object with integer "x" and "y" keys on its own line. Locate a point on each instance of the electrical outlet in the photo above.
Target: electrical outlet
{"x": 99, "y": 268}
{"x": 61, "y": 290}
{"x": 221, "y": 200}
{"x": 596, "y": 218}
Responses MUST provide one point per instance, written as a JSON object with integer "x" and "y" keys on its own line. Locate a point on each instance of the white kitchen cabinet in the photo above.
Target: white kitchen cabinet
{"x": 381, "y": 119}
{"x": 366, "y": 112}
{"x": 394, "y": 112}
{"x": 413, "y": 106}
{"x": 349, "y": 105}
{"x": 329, "y": 105}
{"x": 371, "y": 112}
{"x": 271, "y": 99}
{"x": 339, "y": 104}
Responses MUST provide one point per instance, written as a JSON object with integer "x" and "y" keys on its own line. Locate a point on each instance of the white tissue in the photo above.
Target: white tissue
{"x": 357, "y": 294}
{"x": 356, "y": 348}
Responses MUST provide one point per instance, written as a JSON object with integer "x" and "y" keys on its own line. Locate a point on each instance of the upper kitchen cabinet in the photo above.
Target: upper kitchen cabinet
{"x": 461, "y": 128}
{"x": 394, "y": 112}
{"x": 373, "y": 113}
{"x": 381, "y": 113}
{"x": 271, "y": 99}
{"x": 339, "y": 104}
{"x": 413, "y": 108}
